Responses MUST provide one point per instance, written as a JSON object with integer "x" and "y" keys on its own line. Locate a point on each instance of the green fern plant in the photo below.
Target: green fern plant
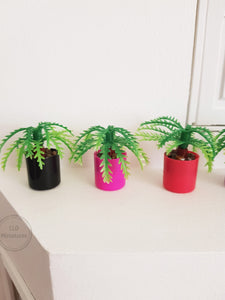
{"x": 220, "y": 142}
{"x": 107, "y": 141}
{"x": 167, "y": 130}
{"x": 32, "y": 140}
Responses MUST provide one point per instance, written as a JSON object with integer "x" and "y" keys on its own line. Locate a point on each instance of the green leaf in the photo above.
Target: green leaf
{"x": 85, "y": 133}
{"x": 6, "y": 155}
{"x": 47, "y": 130}
{"x": 57, "y": 146}
{"x": 169, "y": 137}
{"x": 81, "y": 149}
{"x": 219, "y": 141}
{"x": 61, "y": 136}
{"x": 20, "y": 153}
{"x": 130, "y": 141}
{"x": 38, "y": 154}
{"x": 105, "y": 164}
{"x": 53, "y": 124}
{"x": 7, "y": 137}
{"x": 206, "y": 135}
{"x": 122, "y": 160}
{"x": 172, "y": 146}
{"x": 28, "y": 142}
{"x": 205, "y": 149}
{"x": 167, "y": 122}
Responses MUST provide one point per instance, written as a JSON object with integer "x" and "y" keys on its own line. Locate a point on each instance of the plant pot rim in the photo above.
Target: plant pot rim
{"x": 183, "y": 161}
{"x": 45, "y": 158}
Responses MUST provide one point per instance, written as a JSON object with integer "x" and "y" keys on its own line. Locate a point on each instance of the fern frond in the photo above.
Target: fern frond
{"x": 130, "y": 141}
{"x": 206, "y": 134}
{"x": 7, "y": 137}
{"x": 105, "y": 164}
{"x": 220, "y": 141}
{"x": 38, "y": 154}
{"x": 46, "y": 128}
{"x": 127, "y": 135}
{"x": 206, "y": 151}
{"x": 147, "y": 136}
{"x": 28, "y": 142}
{"x": 141, "y": 156}
{"x": 81, "y": 149}
{"x": 57, "y": 145}
{"x": 54, "y": 124}
{"x": 134, "y": 148}
{"x": 6, "y": 155}
{"x": 220, "y": 145}
{"x": 120, "y": 141}
{"x": 153, "y": 128}
{"x": 166, "y": 121}
{"x": 122, "y": 160}
{"x": 99, "y": 138}
{"x": 20, "y": 152}
{"x": 129, "y": 138}
{"x": 222, "y": 132}
{"x": 172, "y": 146}
{"x": 169, "y": 137}
{"x": 62, "y": 136}
{"x": 144, "y": 157}
{"x": 87, "y": 132}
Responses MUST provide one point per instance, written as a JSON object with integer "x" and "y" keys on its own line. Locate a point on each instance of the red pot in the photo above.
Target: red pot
{"x": 180, "y": 176}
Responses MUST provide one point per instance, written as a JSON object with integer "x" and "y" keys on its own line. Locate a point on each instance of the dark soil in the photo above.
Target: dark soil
{"x": 189, "y": 156}
{"x": 48, "y": 152}
{"x": 111, "y": 153}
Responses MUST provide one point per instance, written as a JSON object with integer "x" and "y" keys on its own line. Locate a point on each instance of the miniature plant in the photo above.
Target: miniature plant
{"x": 33, "y": 141}
{"x": 110, "y": 142}
{"x": 168, "y": 130}
{"x": 220, "y": 141}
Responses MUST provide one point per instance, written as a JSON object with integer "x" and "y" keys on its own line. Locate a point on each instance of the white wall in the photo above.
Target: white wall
{"x": 85, "y": 63}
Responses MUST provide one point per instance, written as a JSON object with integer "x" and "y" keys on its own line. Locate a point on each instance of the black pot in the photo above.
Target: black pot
{"x": 48, "y": 177}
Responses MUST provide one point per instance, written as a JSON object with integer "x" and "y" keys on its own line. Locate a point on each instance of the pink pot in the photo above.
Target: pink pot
{"x": 118, "y": 179}
{"x": 180, "y": 176}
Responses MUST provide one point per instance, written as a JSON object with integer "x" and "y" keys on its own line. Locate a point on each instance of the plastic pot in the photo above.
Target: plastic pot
{"x": 48, "y": 177}
{"x": 180, "y": 176}
{"x": 118, "y": 179}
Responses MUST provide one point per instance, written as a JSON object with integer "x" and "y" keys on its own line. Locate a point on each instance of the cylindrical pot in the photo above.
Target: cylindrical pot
{"x": 118, "y": 179}
{"x": 180, "y": 176}
{"x": 48, "y": 177}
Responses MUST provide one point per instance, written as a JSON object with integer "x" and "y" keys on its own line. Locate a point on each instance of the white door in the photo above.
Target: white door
{"x": 211, "y": 95}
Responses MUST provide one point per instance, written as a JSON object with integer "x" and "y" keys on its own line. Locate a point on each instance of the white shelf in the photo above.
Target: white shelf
{"x": 126, "y": 244}
{"x": 76, "y": 217}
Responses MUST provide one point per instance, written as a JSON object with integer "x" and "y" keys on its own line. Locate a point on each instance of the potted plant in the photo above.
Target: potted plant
{"x": 110, "y": 158}
{"x": 42, "y": 147}
{"x": 180, "y": 164}
{"x": 220, "y": 142}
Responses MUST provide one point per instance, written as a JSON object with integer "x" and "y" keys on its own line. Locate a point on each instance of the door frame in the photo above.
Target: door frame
{"x": 197, "y": 64}
{"x": 197, "y": 60}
